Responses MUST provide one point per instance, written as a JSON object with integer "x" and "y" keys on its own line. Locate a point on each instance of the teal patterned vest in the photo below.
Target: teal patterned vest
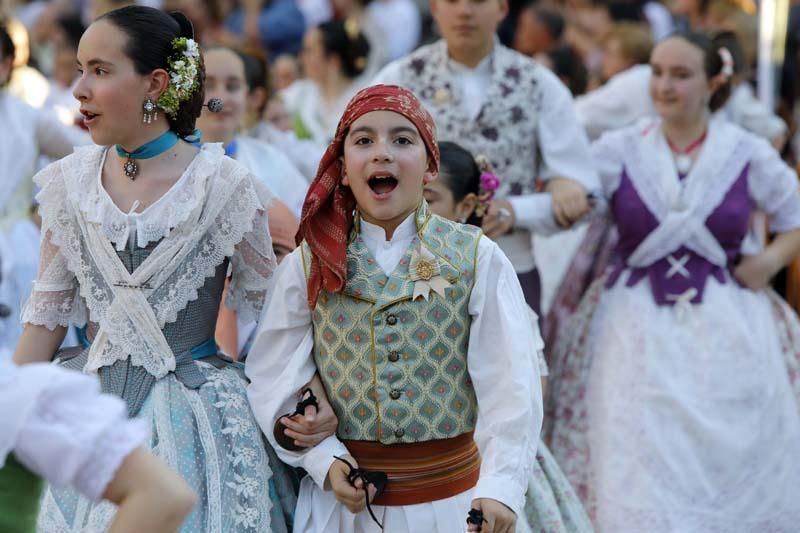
{"x": 395, "y": 370}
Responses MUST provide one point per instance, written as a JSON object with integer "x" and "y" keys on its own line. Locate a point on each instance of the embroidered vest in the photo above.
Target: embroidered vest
{"x": 395, "y": 370}
{"x": 20, "y": 491}
{"x": 506, "y": 127}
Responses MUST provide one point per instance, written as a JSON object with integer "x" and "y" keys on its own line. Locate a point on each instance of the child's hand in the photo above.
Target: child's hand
{"x": 755, "y": 271}
{"x": 350, "y": 495}
{"x": 499, "y": 518}
{"x": 316, "y": 424}
{"x": 499, "y": 219}
{"x": 569, "y": 201}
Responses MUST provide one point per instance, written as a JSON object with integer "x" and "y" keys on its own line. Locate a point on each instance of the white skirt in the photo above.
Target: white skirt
{"x": 692, "y": 422}
{"x": 319, "y": 511}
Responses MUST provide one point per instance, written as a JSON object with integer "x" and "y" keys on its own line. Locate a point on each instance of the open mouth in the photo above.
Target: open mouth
{"x": 382, "y": 184}
{"x": 88, "y": 117}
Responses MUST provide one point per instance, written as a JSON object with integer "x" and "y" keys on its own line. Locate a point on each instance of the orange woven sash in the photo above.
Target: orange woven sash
{"x": 423, "y": 471}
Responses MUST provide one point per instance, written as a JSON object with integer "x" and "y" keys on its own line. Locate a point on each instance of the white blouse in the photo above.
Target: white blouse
{"x": 217, "y": 209}
{"x": 502, "y": 355}
{"x": 59, "y": 425}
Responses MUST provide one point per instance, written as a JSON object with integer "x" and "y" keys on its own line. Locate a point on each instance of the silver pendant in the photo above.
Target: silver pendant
{"x": 683, "y": 162}
{"x": 131, "y": 168}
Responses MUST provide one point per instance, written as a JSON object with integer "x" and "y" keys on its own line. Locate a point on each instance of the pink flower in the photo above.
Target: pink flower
{"x": 489, "y": 182}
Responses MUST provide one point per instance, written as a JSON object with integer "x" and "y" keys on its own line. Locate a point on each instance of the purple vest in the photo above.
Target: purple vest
{"x": 682, "y": 270}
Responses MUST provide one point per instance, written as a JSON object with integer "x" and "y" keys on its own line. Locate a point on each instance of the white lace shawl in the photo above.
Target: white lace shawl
{"x": 682, "y": 207}
{"x": 216, "y": 210}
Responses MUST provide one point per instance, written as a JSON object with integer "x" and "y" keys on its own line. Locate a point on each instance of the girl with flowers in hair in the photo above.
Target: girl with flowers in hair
{"x": 462, "y": 192}
{"x": 420, "y": 333}
{"x": 674, "y": 399}
{"x": 138, "y": 234}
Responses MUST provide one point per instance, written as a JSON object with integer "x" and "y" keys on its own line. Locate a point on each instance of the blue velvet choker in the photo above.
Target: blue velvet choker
{"x": 148, "y": 150}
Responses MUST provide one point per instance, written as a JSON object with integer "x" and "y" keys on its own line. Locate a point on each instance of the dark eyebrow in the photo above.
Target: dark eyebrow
{"x": 393, "y": 131}
{"x": 404, "y": 129}
{"x": 95, "y": 62}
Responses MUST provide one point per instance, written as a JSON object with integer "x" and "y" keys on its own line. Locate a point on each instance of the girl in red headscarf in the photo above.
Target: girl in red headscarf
{"x": 416, "y": 324}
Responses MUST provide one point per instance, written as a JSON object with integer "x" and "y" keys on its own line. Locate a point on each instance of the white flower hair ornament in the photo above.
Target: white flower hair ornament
{"x": 184, "y": 67}
{"x": 727, "y": 62}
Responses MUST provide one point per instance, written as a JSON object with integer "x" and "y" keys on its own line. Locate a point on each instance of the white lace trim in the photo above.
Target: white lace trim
{"x": 223, "y": 224}
{"x": 177, "y": 205}
{"x": 682, "y": 207}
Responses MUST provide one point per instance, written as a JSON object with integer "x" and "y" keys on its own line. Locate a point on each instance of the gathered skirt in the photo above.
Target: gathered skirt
{"x": 680, "y": 418}
{"x": 208, "y": 436}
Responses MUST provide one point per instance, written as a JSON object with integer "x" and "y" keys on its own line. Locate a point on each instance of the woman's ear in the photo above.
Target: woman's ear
{"x": 159, "y": 81}
{"x": 345, "y": 179}
{"x": 430, "y": 175}
{"x": 466, "y": 206}
{"x": 717, "y": 82}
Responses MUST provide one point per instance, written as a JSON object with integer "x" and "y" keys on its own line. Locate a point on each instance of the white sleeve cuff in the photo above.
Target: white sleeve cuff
{"x": 502, "y": 489}
{"x": 318, "y": 460}
{"x": 534, "y": 212}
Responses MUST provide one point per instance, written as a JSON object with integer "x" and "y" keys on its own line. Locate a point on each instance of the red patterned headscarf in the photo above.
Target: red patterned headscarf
{"x": 328, "y": 210}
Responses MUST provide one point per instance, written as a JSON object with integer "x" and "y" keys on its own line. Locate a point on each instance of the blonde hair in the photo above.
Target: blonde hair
{"x": 635, "y": 41}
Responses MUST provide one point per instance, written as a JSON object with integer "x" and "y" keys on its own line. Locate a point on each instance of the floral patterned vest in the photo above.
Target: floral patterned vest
{"x": 505, "y": 129}
{"x": 395, "y": 369}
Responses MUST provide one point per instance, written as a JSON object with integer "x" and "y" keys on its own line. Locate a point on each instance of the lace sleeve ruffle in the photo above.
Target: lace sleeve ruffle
{"x": 55, "y": 299}
{"x": 774, "y": 187}
{"x": 74, "y": 435}
{"x": 252, "y": 264}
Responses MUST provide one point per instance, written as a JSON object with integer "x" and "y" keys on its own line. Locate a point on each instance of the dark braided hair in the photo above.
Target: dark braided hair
{"x": 460, "y": 174}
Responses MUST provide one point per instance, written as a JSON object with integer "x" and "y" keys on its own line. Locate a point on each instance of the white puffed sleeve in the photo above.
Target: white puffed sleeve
{"x": 502, "y": 358}
{"x": 773, "y": 187}
{"x": 64, "y": 429}
{"x": 253, "y": 261}
{"x": 55, "y": 299}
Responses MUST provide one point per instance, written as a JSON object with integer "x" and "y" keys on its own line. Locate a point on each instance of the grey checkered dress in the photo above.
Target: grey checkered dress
{"x": 202, "y": 427}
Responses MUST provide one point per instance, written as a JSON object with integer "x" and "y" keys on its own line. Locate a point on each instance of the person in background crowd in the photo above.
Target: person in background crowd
{"x": 284, "y": 71}
{"x": 538, "y": 30}
{"x": 226, "y": 80}
{"x": 267, "y": 119}
{"x": 277, "y": 25}
{"x": 627, "y": 44}
{"x": 335, "y": 54}
{"x": 502, "y": 105}
{"x": 565, "y": 63}
{"x": 29, "y": 134}
{"x": 677, "y": 379}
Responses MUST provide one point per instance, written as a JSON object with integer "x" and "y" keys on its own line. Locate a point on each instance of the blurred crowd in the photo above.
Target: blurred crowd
{"x": 308, "y": 57}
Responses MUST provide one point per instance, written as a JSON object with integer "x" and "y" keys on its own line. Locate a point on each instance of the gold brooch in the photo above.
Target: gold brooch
{"x": 426, "y": 273}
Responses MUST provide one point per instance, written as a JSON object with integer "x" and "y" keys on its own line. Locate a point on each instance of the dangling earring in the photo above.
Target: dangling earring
{"x": 149, "y": 110}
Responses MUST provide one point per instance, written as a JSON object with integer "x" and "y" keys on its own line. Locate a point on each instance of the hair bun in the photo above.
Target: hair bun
{"x": 186, "y": 28}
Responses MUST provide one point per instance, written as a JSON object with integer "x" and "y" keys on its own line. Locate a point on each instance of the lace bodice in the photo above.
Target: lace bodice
{"x": 216, "y": 210}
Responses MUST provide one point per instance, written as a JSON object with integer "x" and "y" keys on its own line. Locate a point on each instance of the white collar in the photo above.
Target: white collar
{"x": 406, "y": 230}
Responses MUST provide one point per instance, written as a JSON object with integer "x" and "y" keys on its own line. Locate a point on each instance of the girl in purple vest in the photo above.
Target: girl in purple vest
{"x": 675, "y": 401}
